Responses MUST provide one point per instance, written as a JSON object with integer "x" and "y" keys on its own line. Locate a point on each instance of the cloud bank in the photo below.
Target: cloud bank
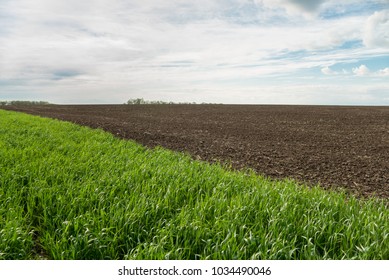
{"x": 205, "y": 51}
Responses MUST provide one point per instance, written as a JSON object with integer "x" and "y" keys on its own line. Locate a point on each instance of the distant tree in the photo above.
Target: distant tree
{"x": 136, "y": 101}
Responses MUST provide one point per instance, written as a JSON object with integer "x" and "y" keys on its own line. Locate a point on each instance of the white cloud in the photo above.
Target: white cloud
{"x": 383, "y": 72}
{"x": 327, "y": 71}
{"x": 377, "y": 30}
{"x": 361, "y": 70}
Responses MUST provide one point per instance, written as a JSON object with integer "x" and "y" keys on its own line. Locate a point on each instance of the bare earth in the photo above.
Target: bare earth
{"x": 334, "y": 146}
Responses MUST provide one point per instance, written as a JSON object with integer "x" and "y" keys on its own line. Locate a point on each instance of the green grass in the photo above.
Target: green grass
{"x": 70, "y": 192}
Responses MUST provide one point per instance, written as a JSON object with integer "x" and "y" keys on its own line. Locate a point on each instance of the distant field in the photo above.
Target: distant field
{"x": 336, "y": 146}
{"x": 71, "y": 192}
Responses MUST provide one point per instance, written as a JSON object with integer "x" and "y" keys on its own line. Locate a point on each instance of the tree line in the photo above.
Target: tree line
{"x": 20, "y": 102}
{"x": 141, "y": 101}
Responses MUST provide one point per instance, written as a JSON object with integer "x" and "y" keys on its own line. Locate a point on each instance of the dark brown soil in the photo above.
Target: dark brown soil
{"x": 333, "y": 146}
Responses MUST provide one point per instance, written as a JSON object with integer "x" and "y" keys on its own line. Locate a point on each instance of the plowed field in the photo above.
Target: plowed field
{"x": 334, "y": 146}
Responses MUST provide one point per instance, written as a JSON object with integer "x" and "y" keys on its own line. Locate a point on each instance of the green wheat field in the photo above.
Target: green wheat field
{"x": 71, "y": 192}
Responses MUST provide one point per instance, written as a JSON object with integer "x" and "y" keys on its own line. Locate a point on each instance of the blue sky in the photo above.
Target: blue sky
{"x": 219, "y": 51}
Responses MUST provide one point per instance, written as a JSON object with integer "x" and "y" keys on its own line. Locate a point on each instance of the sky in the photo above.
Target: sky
{"x": 323, "y": 52}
